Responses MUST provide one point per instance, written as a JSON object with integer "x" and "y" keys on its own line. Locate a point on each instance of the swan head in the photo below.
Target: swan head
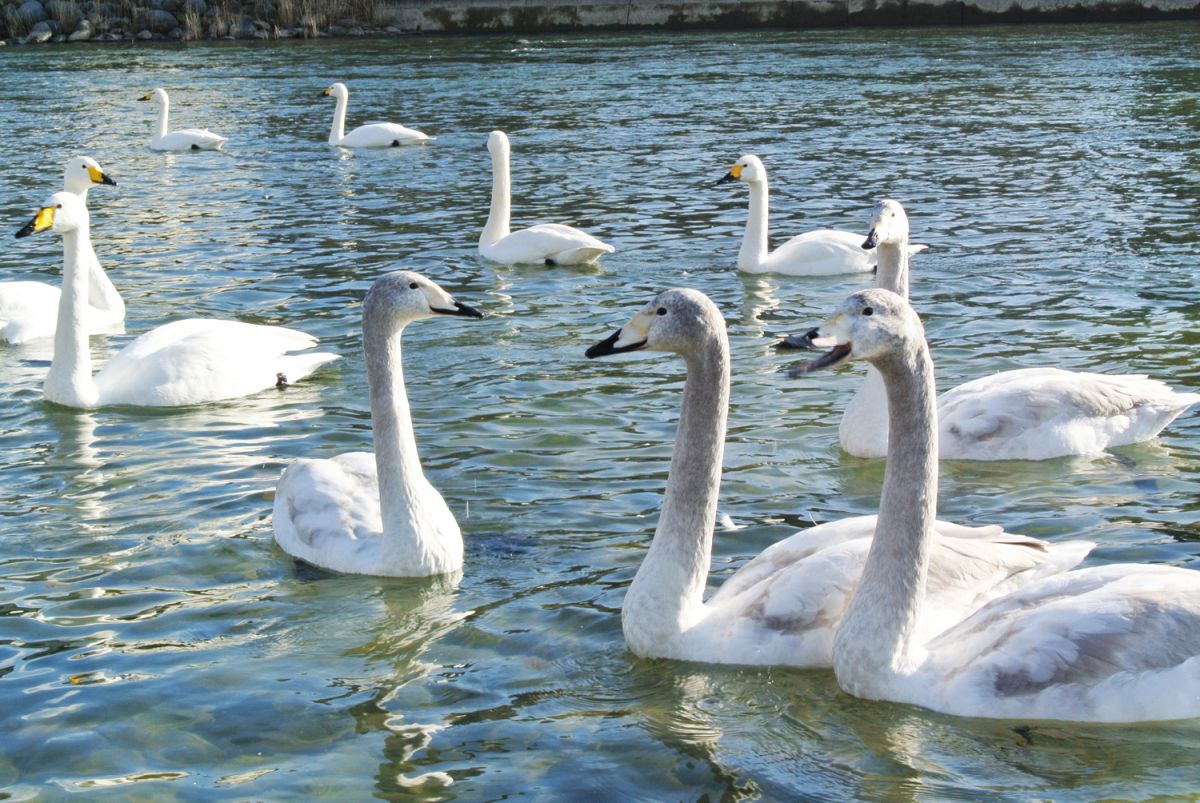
{"x": 158, "y": 95}
{"x": 337, "y": 90}
{"x": 498, "y": 143}
{"x": 62, "y": 212}
{"x": 83, "y": 173}
{"x": 889, "y": 225}
{"x": 870, "y": 325}
{"x": 748, "y": 169}
{"x": 677, "y": 320}
{"x": 404, "y": 296}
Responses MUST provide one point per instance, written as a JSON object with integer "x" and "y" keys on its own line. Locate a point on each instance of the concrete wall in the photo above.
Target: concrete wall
{"x": 478, "y": 16}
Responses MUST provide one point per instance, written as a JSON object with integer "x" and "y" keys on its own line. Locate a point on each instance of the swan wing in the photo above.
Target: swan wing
{"x": 382, "y": 135}
{"x": 1109, "y": 643}
{"x": 1037, "y": 413}
{"x": 822, "y": 252}
{"x": 200, "y": 360}
{"x": 554, "y": 242}
{"x": 326, "y": 512}
{"x": 28, "y": 311}
{"x": 188, "y": 139}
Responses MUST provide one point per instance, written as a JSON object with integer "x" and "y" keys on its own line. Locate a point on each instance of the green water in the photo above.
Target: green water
{"x": 156, "y": 644}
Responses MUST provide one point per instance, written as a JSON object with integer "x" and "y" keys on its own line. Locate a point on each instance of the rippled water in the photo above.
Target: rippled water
{"x": 155, "y": 643}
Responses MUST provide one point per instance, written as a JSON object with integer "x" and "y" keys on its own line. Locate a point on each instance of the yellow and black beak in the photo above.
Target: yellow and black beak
{"x": 734, "y": 174}
{"x": 147, "y": 96}
{"x": 98, "y": 176}
{"x": 43, "y": 220}
{"x": 326, "y": 93}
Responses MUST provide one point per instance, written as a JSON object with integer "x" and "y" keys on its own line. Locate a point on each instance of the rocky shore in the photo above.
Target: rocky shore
{"x": 40, "y": 21}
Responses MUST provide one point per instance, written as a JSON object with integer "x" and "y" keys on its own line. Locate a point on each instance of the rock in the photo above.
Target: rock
{"x": 39, "y": 33}
{"x": 109, "y": 37}
{"x": 59, "y": 37}
{"x": 82, "y": 33}
{"x": 335, "y": 30}
{"x": 32, "y": 11}
{"x": 158, "y": 21}
{"x": 262, "y": 25}
{"x": 173, "y": 6}
{"x": 144, "y": 35}
{"x": 262, "y": 34}
{"x": 246, "y": 29}
{"x": 356, "y": 31}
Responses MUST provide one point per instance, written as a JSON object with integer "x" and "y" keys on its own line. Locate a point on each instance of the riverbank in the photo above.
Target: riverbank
{"x": 37, "y": 22}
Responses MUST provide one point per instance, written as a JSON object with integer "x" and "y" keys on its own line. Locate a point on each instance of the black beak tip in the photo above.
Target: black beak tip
{"x": 467, "y": 311}
{"x": 108, "y": 181}
{"x": 725, "y": 179}
{"x": 604, "y": 347}
{"x": 804, "y": 341}
{"x": 25, "y": 230}
{"x": 871, "y": 241}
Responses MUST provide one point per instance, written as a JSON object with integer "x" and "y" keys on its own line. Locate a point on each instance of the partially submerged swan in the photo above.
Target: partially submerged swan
{"x": 821, "y": 252}
{"x": 180, "y": 363}
{"x": 185, "y": 139}
{"x": 1116, "y": 643}
{"x": 1024, "y": 414}
{"x": 376, "y": 514}
{"x": 28, "y": 310}
{"x": 781, "y": 607}
{"x": 545, "y": 243}
{"x": 371, "y": 135}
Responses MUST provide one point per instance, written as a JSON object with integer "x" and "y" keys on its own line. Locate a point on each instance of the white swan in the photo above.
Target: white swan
{"x": 822, "y": 252}
{"x": 1024, "y": 414}
{"x": 365, "y": 514}
{"x": 1117, "y": 643}
{"x": 371, "y": 135}
{"x": 28, "y": 310}
{"x": 184, "y": 362}
{"x": 782, "y": 607}
{"x": 185, "y": 139}
{"x": 545, "y": 243}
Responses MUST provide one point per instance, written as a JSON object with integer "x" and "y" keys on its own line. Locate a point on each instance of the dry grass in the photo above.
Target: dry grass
{"x": 66, "y": 13}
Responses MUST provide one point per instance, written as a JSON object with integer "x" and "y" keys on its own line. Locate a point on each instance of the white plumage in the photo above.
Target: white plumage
{"x": 371, "y": 135}
{"x": 185, "y": 139}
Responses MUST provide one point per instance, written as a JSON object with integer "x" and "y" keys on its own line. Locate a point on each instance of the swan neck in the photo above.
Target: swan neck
{"x": 876, "y": 636}
{"x": 163, "y": 110}
{"x": 754, "y": 243}
{"x": 69, "y": 380}
{"x": 667, "y": 593}
{"x": 102, "y": 294}
{"x": 497, "y": 226}
{"x": 338, "y": 132}
{"x": 892, "y": 267}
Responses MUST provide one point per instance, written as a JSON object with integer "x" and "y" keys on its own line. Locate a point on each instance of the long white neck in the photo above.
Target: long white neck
{"x": 667, "y": 594}
{"x": 102, "y": 294}
{"x": 338, "y": 132}
{"x": 874, "y": 641}
{"x": 414, "y": 516}
{"x": 754, "y": 243}
{"x": 497, "y": 226}
{"x": 164, "y": 108}
{"x": 69, "y": 380}
{"x": 864, "y": 427}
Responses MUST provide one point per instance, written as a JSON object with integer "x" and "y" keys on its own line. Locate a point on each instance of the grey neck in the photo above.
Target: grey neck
{"x": 875, "y": 636}
{"x": 892, "y": 268}
{"x": 673, "y": 576}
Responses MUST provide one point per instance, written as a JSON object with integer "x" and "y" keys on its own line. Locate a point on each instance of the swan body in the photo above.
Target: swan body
{"x": 371, "y": 135}
{"x": 822, "y": 252}
{"x": 28, "y": 310}
{"x": 376, "y": 514}
{"x": 181, "y": 363}
{"x": 784, "y": 605}
{"x": 1116, "y": 643}
{"x": 545, "y": 243}
{"x": 185, "y": 139}
{"x": 1024, "y": 414}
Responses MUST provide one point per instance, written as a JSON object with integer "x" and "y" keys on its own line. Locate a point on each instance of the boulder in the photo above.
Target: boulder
{"x": 144, "y": 35}
{"x": 158, "y": 21}
{"x": 245, "y": 29}
{"x": 39, "y": 33}
{"x": 32, "y": 11}
{"x": 82, "y": 32}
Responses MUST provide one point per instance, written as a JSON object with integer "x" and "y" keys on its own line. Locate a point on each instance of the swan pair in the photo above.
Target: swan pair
{"x": 1115, "y": 643}
{"x": 821, "y": 252}
{"x": 371, "y": 135}
{"x": 185, "y": 139}
{"x": 1024, "y": 414}
{"x": 28, "y": 310}
{"x": 180, "y": 363}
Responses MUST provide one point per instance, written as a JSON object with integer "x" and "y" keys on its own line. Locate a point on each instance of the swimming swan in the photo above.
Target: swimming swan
{"x": 184, "y": 362}
{"x": 822, "y": 252}
{"x": 185, "y": 139}
{"x": 371, "y": 135}
{"x": 365, "y": 514}
{"x": 1116, "y": 643}
{"x": 781, "y": 607}
{"x": 28, "y": 310}
{"x": 1024, "y": 414}
{"x": 545, "y": 243}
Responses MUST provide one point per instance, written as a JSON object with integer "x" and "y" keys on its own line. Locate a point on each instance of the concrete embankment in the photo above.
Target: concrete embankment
{"x": 477, "y": 16}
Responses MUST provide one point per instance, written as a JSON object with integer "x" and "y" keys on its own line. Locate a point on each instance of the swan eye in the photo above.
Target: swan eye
{"x": 662, "y": 310}
{"x": 58, "y": 206}
{"x": 868, "y": 311}
{"x": 412, "y": 286}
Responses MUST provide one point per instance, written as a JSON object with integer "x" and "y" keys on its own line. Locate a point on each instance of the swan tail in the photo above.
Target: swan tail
{"x": 917, "y": 248}
{"x": 579, "y": 256}
{"x": 299, "y": 366}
